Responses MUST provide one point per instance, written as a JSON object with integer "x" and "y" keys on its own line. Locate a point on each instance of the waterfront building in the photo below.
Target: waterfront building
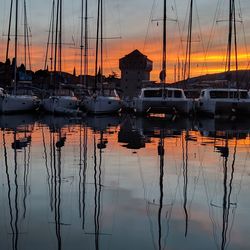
{"x": 135, "y": 70}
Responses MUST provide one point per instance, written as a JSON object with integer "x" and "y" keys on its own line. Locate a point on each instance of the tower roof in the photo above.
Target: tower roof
{"x": 136, "y": 60}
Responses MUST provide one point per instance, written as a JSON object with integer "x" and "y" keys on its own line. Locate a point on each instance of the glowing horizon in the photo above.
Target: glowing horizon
{"x": 208, "y": 55}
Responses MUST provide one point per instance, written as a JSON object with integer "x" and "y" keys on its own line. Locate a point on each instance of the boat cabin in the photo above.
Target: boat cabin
{"x": 162, "y": 93}
{"x": 224, "y": 94}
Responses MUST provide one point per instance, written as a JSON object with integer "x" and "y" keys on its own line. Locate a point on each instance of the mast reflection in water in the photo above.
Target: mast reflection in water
{"x": 15, "y": 170}
{"x": 111, "y": 182}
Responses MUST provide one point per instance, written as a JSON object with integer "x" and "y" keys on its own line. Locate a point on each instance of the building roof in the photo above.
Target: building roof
{"x": 135, "y": 60}
{"x": 135, "y": 54}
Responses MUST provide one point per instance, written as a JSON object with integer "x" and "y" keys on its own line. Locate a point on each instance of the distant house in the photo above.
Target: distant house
{"x": 135, "y": 70}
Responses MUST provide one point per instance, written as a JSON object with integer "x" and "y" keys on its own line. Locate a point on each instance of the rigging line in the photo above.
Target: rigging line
{"x": 207, "y": 198}
{"x": 201, "y": 37}
{"x": 185, "y": 21}
{"x": 179, "y": 29}
{"x": 244, "y": 172}
{"x": 27, "y": 33}
{"x": 212, "y": 31}
{"x": 141, "y": 177}
{"x": 49, "y": 35}
{"x": 244, "y": 32}
{"x": 119, "y": 22}
{"x": 151, "y": 226}
{"x": 149, "y": 22}
{"x": 245, "y": 42}
{"x": 8, "y": 39}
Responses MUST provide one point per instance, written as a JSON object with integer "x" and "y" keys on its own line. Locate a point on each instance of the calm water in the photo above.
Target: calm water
{"x": 123, "y": 183}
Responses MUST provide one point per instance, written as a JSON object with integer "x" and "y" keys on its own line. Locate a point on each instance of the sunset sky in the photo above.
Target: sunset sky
{"x": 132, "y": 21}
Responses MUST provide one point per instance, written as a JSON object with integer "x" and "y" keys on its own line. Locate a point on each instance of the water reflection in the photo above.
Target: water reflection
{"x": 83, "y": 158}
{"x": 124, "y": 183}
{"x": 228, "y": 207}
{"x": 17, "y": 199}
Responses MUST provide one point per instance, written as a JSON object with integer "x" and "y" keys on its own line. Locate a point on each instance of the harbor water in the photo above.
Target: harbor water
{"x": 124, "y": 182}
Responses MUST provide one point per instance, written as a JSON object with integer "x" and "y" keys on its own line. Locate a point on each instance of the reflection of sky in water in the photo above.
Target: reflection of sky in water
{"x": 116, "y": 204}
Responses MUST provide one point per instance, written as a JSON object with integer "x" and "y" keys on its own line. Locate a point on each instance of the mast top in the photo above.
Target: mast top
{"x": 164, "y": 44}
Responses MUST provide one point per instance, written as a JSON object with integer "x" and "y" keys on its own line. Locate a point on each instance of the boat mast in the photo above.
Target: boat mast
{"x": 187, "y": 69}
{"x": 81, "y": 45}
{"x": 101, "y": 68}
{"x": 235, "y": 38}
{"x": 52, "y": 36}
{"x": 60, "y": 39}
{"x": 26, "y": 39}
{"x": 86, "y": 47}
{"x": 56, "y": 42}
{"x": 50, "y": 40}
{"x": 97, "y": 45}
{"x": 164, "y": 51}
{"x": 25, "y": 35}
{"x": 8, "y": 40}
{"x": 232, "y": 31}
{"x": 16, "y": 36}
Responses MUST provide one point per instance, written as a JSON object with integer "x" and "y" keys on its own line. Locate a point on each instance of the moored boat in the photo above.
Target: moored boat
{"x": 162, "y": 100}
{"x": 102, "y": 104}
{"x": 223, "y": 102}
{"x": 11, "y": 103}
{"x": 61, "y": 103}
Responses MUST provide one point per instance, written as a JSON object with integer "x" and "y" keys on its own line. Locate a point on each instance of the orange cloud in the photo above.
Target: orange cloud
{"x": 213, "y": 62}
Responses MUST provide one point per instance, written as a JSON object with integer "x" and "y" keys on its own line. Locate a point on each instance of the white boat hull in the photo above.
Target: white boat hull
{"x": 161, "y": 105}
{"x": 18, "y": 103}
{"x": 223, "y": 107}
{"x": 102, "y": 104}
{"x": 60, "y": 104}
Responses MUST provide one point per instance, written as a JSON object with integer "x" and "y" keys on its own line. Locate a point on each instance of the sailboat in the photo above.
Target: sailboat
{"x": 15, "y": 102}
{"x": 100, "y": 102}
{"x": 162, "y": 99}
{"x": 226, "y": 101}
{"x": 62, "y": 101}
